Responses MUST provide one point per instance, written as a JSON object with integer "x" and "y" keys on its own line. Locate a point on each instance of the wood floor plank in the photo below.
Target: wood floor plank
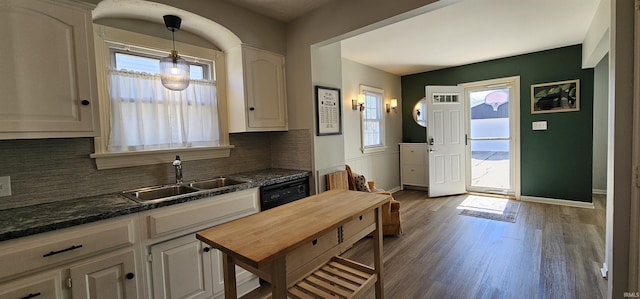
{"x": 549, "y": 252}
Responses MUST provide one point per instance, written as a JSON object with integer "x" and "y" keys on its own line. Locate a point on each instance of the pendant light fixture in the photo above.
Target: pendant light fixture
{"x": 174, "y": 71}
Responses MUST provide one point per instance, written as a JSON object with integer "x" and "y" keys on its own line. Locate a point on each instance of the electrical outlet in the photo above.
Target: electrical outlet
{"x": 5, "y": 186}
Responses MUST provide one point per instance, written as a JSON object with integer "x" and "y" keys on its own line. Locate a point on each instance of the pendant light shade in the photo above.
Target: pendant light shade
{"x": 174, "y": 71}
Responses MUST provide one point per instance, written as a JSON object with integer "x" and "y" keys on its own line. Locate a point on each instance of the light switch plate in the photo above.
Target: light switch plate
{"x": 539, "y": 125}
{"x": 5, "y": 186}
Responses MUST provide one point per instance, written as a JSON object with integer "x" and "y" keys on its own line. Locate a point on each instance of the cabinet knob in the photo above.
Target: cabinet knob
{"x": 130, "y": 276}
{"x": 206, "y": 249}
{"x": 252, "y": 108}
{"x": 85, "y": 102}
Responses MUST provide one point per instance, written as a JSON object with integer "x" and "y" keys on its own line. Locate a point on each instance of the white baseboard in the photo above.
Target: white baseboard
{"x": 561, "y": 202}
{"x": 394, "y": 189}
{"x": 599, "y": 191}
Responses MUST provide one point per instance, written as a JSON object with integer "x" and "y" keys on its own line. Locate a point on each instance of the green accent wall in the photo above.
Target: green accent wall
{"x": 556, "y": 163}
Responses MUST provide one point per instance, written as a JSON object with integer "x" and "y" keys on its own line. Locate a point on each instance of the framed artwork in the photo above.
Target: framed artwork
{"x": 563, "y": 96}
{"x": 328, "y": 111}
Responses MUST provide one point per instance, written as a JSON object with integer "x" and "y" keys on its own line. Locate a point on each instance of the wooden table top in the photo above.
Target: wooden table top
{"x": 260, "y": 238}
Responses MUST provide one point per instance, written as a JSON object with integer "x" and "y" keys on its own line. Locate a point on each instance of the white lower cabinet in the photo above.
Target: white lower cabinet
{"x": 414, "y": 165}
{"x": 105, "y": 277}
{"x": 96, "y": 260}
{"x": 180, "y": 266}
{"x": 102, "y": 260}
{"x": 40, "y": 286}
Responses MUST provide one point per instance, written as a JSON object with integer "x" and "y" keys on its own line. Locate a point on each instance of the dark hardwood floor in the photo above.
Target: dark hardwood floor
{"x": 550, "y": 252}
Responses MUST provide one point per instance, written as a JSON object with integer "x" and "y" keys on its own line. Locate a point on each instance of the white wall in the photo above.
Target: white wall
{"x": 600, "y": 111}
{"x": 381, "y": 167}
{"x": 328, "y": 150}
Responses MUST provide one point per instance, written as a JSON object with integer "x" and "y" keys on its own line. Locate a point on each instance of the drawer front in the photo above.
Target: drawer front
{"x": 414, "y": 155}
{"x": 414, "y": 175}
{"x": 57, "y": 247}
{"x": 356, "y": 225}
{"x": 217, "y": 209}
{"x": 41, "y": 286}
{"x": 307, "y": 252}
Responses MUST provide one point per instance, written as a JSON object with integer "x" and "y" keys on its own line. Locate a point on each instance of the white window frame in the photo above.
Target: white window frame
{"x": 364, "y": 89}
{"x": 105, "y": 38}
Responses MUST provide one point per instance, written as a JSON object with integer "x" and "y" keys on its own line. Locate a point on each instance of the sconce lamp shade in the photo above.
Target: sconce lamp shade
{"x": 394, "y": 103}
{"x": 360, "y": 99}
{"x": 174, "y": 71}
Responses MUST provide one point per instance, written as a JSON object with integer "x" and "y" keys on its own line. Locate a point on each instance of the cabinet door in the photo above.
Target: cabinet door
{"x": 48, "y": 78}
{"x": 41, "y": 286}
{"x": 181, "y": 268}
{"x": 266, "y": 99}
{"x": 106, "y": 277}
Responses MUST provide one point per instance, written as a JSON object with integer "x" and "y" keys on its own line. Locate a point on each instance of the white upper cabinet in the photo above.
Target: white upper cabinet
{"x": 257, "y": 92}
{"x": 48, "y": 81}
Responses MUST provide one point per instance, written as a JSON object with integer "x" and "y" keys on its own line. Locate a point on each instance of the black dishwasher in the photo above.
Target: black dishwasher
{"x": 278, "y": 194}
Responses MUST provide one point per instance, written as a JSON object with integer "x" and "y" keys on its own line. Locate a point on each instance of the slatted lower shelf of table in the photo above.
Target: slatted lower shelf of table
{"x": 339, "y": 278}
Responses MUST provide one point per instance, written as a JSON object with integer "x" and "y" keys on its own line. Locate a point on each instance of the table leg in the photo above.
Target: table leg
{"x": 229, "y": 275}
{"x": 377, "y": 254}
{"x": 279, "y": 279}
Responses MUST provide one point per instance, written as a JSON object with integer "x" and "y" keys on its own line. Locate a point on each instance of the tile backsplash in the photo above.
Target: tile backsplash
{"x": 45, "y": 170}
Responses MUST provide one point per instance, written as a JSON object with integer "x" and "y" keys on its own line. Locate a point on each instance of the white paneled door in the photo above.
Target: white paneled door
{"x": 445, "y": 136}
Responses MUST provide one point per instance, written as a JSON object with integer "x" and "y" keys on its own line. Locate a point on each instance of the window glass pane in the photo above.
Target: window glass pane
{"x": 372, "y": 120}
{"x": 151, "y": 65}
{"x": 137, "y": 63}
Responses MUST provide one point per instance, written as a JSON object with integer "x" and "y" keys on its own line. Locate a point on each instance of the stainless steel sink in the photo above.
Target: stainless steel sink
{"x": 160, "y": 193}
{"x": 216, "y": 183}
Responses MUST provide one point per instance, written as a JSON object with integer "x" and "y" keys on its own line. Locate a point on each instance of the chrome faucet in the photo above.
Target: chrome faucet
{"x": 177, "y": 164}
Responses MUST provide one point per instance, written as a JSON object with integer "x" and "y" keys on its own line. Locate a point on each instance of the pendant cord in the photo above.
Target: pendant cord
{"x": 173, "y": 39}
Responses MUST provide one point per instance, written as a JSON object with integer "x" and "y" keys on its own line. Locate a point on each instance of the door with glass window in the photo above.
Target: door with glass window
{"x": 490, "y": 137}
{"x": 445, "y": 136}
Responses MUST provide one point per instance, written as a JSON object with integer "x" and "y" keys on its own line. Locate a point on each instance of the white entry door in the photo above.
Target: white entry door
{"x": 445, "y": 136}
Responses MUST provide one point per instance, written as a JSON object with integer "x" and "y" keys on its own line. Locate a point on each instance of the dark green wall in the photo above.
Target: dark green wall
{"x": 555, "y": 163}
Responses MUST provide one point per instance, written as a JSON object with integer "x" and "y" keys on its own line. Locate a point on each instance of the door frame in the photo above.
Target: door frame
{"x": 514, "y": 124}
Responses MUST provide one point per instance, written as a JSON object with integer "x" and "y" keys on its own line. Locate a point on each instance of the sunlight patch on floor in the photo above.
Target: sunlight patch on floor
{"x": 484, "y": 204}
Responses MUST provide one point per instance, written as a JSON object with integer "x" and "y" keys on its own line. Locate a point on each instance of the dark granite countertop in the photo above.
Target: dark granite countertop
{"x": 30, "y": 220}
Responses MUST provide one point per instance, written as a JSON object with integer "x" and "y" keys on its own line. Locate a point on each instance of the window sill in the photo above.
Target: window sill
{"x": 377, "y": 149}
{"x": 128, "y": 159}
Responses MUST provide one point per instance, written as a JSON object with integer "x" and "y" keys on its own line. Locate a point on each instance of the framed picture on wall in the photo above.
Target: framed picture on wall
{"x": 328, "y": 111}
{"x": 563, "y": 96}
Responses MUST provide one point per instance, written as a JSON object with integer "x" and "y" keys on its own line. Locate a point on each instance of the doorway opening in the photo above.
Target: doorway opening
{"x": 492, "y": 134}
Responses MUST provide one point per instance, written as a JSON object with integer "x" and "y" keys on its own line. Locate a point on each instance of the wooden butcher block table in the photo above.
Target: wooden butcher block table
{"x": 295, "y": 246}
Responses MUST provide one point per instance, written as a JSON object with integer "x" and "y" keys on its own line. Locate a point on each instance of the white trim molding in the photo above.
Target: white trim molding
{"x": 599, "y": 191}
{"x": 560, "y": 202}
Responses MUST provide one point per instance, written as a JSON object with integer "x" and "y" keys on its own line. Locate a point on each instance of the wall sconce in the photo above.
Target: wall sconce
{"x": 358, "y": 103}
{"x": 393, "y": 105}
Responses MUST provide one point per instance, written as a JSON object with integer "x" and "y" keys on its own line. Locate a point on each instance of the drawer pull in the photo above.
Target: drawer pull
{"x": 360, "y": 218}
{"x": 314, "y": 242}
{"x": 31, "y": 295}
{"x": 63, "y": 250}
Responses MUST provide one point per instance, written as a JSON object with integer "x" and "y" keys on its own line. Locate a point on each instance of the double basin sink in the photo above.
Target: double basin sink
{"x": 161, "y": 193}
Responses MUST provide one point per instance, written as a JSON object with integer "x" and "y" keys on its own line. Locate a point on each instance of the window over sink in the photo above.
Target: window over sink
{"x": 145, "y": 123}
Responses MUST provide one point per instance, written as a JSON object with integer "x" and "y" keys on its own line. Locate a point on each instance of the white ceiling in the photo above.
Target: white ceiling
{"x": 283, "y": 10}
{"x": 464, "y": 32}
